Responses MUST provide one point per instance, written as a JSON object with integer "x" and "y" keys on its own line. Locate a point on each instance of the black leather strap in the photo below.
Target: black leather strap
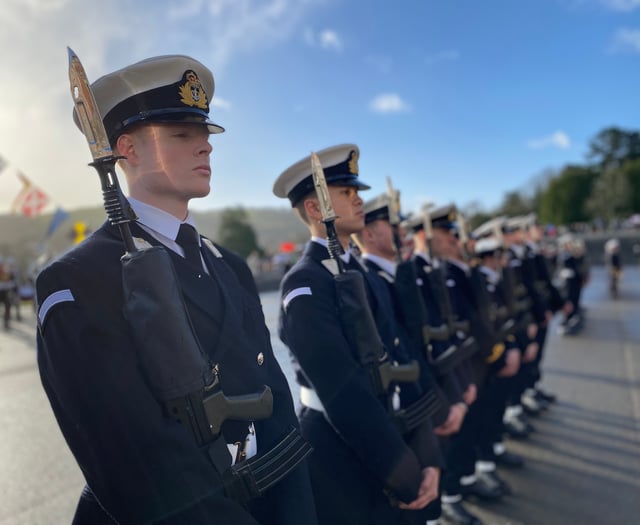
{"x": 249, "y": 479}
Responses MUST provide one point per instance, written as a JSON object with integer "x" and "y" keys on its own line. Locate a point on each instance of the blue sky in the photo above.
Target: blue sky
{"x": 456, "y": 100}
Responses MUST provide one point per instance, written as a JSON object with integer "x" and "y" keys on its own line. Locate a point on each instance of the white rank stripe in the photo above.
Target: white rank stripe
{"x": 61, "y": 296}
{"x": 305, "y": 290}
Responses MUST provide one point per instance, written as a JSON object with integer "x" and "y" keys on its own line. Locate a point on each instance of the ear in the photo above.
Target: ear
{"x": 312, "y": 209}
{"x": 367, "y": 233}
{"x": 126, "y": 147}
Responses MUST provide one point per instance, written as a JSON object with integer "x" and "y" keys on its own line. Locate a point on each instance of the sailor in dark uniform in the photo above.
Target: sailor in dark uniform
{"x": 142, "y": 463}
{"x": 361, "y": 465}
{"x": 459, "y": 478}
{"x": 379, "y": 255}
{"x": 503, "y": 364}
{"x": 532, "y": 313}
{"x": 553, "y": 301}
{"x": 431, "y": 281}
{"x": 469, "y": 306}
{"x": 572, "y": 279}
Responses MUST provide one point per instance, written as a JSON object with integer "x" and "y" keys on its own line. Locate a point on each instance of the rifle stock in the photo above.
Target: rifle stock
{"x": 247, "y": 407}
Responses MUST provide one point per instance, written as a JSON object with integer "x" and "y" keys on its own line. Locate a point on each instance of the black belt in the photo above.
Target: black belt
{"x": 250, "y": 478}
{"x": 427, "y": 406}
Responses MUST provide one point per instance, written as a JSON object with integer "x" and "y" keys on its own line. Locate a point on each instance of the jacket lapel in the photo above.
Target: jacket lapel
{"x": 199, "y": 289}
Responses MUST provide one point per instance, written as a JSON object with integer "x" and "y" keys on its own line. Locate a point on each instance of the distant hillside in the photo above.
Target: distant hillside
{"x": 22, "y": 238}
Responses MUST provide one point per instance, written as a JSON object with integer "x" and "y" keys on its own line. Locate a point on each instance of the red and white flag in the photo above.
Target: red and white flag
{"x": 31, "y": 200}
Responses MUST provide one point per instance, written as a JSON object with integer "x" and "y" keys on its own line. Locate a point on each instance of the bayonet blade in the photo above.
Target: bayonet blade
{"x": 322, "y": 191}
{"x": 426, "y": 221}
{"x": 462, "y": 226}
{"x": 87, "y": 110}
{"x": 394, "y": 203}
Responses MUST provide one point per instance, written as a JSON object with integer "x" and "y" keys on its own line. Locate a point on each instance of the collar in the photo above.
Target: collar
{"x": 463, "y": 266}
{"x": 424, "y": 256}
{"x": 160, "y": 224}
{"x": 427, "y": 259}
{"x": 346, "y": 256}
{"x": 492, "y": 276}
{"x": 385, "y": 264}
{"x": 518, "y": 249}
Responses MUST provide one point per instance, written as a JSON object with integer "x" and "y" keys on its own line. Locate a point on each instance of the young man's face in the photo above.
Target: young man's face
{"x": 444, "y": 243}
{"x": 535, "y": 233}
{"x": 515, "y": 237}
{"x": 492, "y": 261}
{"x": 347, "y": 205}
{"x": 381, "y": 239}
{"x": 172, "y": 161}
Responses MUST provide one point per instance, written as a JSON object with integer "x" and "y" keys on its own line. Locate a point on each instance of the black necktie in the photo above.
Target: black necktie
{"x": 188, "y": 239}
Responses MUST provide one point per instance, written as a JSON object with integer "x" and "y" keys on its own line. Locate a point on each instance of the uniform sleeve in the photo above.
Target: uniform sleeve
{"x": 143, "y": 467}
{"x": 310, "y": 327}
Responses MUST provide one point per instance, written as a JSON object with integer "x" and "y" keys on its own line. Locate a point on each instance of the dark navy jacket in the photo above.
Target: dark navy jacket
{"x": 142, "y": 466}
{"x": 310, "y": 326}
{"x": 389, "y": 309}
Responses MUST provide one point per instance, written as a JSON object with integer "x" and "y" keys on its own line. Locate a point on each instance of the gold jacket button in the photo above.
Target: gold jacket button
{"x": 260, "y": 359}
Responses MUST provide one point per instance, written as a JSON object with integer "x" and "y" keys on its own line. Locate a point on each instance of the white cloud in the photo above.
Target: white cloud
{"x": 326, "y": 39}
{"x": 446, "y": 55}
{"x": 34, "y": 86}
{"x": 626, "y": 40}
{"x": 388, "y": 103}
{"x": 330, "y": 40}
{"x": 221, "y": 103}
{"x": 625, "y": 6}
{"x": 558, "y": 139}
{"x": 243, "y": 25}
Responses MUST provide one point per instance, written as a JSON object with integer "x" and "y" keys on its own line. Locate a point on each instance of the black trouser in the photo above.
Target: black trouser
{"x": 460, "y": 448}
{"x": 491, "y": 428}
{"x": 536, "y": 371}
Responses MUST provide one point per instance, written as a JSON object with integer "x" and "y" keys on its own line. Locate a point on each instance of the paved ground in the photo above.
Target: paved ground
{"x": 583, "y": 462}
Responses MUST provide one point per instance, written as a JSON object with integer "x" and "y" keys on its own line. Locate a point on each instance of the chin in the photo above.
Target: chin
{"x": 203, "y": 192}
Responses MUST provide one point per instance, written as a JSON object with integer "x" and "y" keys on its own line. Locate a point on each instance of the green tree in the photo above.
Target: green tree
{"x": 631, "y": 170}
{"x": 236, "y": 233}
{"x": 610, "y": 195}
{"x": 563, "y": 201}
{"x": 515, "y": 203}
{"x": 612, "y": 147}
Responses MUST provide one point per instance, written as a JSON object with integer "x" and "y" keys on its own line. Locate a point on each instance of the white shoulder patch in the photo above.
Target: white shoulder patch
{"x": 212, "y": 248}
{"x": 305, "y": 290}
{"x": 61, "y": 296}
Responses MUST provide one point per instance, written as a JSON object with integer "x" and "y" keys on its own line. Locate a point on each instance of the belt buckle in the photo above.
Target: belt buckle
{"x": 241, "y": 451}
